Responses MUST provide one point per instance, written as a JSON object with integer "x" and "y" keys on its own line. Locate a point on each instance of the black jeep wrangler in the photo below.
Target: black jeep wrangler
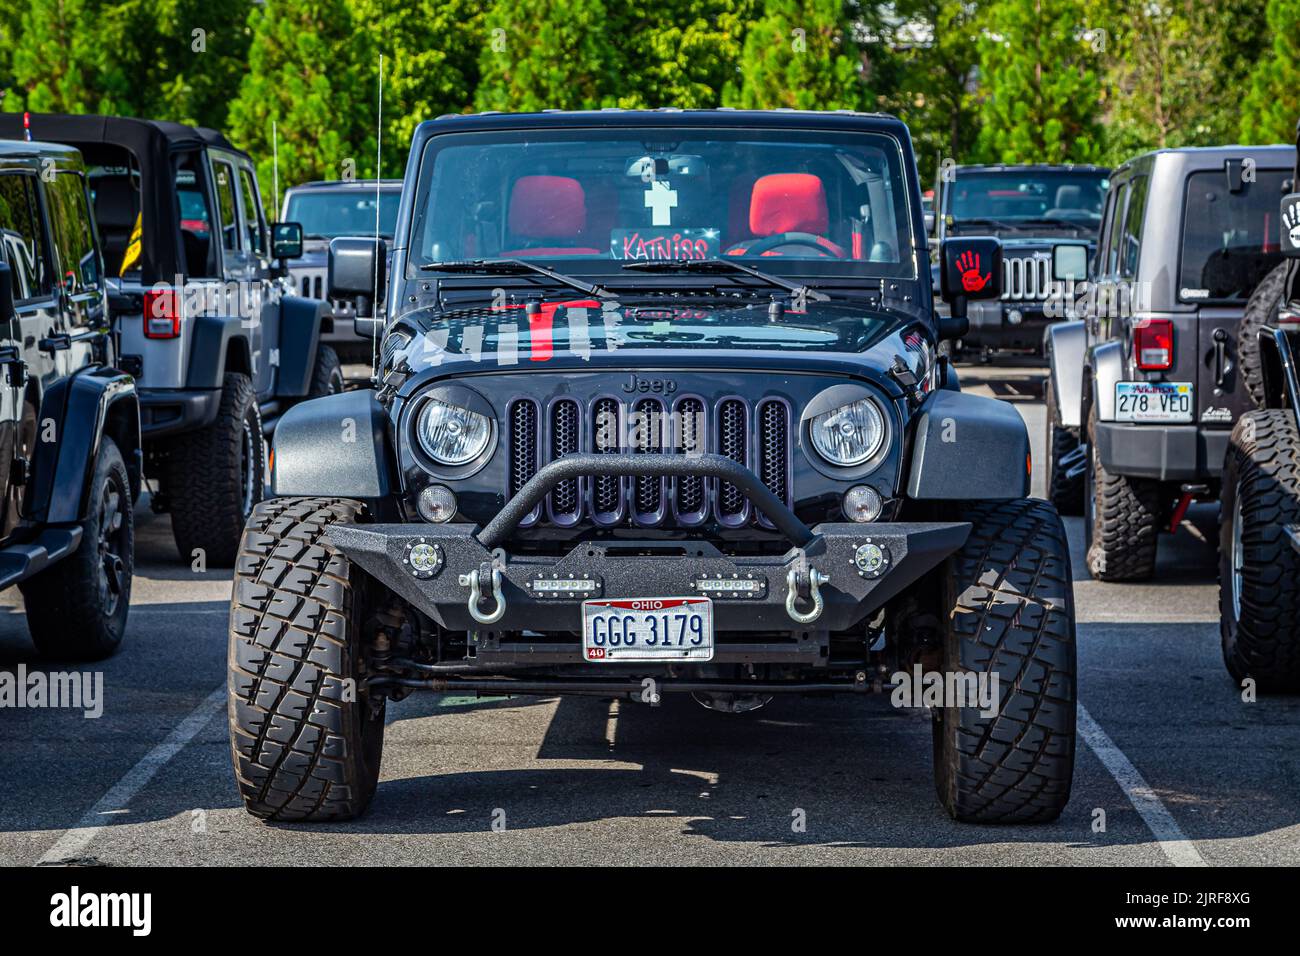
{"x": 661, "y": 410}
{"x": 204, "y": 318}
{"x": 1259, "y": 516}
{"x": 69, "y": 421}
{"x": 1031, "y": 208}
{"x": 1144, "y": 390}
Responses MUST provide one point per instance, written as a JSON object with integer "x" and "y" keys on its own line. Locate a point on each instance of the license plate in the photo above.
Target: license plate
{"x": 648, "y": 629}
{"x": 1153, "y": 401}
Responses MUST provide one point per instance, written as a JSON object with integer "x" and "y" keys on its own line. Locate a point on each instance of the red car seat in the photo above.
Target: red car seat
{"x": 547, "y": 213}
{"x": 790, "y": 205}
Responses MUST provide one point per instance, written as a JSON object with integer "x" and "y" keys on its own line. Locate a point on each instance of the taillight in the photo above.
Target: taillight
{"x": 1153, "y": 344}
{"x": 162, "y": 314}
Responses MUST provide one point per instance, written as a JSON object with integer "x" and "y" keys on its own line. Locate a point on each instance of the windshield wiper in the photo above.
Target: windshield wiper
{"x": 1055, "y": 221}
{"x": 995, "y": 223}
{"x": 726, "y": 265}
{"x": 515, "y": 267}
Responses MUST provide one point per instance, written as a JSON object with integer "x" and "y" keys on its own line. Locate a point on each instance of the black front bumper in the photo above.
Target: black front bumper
{"x": 791, "y": 602}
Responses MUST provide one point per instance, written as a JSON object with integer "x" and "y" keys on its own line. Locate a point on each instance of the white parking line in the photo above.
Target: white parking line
{"x": 1173, "y": 842}
{"x": 73, "y": 843}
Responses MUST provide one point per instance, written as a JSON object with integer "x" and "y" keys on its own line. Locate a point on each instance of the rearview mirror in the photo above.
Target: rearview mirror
{"x": 1069, "y": 263}
{"x": 286, "y": 240}
{"x": 7, "y": 312}
{"x": 1291, "y": 226}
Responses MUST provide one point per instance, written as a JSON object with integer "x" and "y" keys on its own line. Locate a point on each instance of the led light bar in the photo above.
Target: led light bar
{"x": 722, "y": 587}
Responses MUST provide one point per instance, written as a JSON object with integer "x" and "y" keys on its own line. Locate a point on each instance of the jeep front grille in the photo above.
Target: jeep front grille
{"x": 645, "y": 426}
{"x": 1026, "y": 278}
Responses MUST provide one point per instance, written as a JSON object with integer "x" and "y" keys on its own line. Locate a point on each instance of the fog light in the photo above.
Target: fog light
{"x": 436, "y": 504}
{"x": 871, "y": 560}
{"x": 1015, "y": 317}
{"x": 423, "y": 558}
{"x": 862, "y": 503}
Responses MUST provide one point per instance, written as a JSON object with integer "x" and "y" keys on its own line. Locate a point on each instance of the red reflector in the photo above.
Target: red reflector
{"x": 162, "y": 314}
{"x": 1153, "y": 344}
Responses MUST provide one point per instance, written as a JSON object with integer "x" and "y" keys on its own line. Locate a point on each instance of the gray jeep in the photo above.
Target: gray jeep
{"x": 326, "y": 210}
{"x": 204, "y": 322}
{"x": 69, "y": 421}
{"x": 1259, "y": 515}
{"x": 1144, "y": 390}
{"x": 662, "y": 411}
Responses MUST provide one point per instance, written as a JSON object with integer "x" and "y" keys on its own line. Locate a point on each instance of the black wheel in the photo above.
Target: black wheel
{"x": 1121, "y": 519}
{"x": 1259, "y": 566}
{"x": 1012, "y": 616}
{"x": 305, "y": 735}
{"x": 327, "y": 376}
{"x": 76, "y": 609}
{"x": 1261, "y": 310}
{"x": 215, "y": 477}
{"x": 1065, "y": 460}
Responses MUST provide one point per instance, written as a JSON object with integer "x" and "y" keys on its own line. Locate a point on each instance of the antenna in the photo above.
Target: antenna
{"x": 379, "y": 153}
{"x": 275, "y": 173}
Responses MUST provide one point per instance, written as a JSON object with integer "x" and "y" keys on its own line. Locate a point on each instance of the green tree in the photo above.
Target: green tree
{"x": 60, "y": 65}
{"x": 799, "y": 54}
{"x": 309, "y": 74}
{"x": 200, "y": 53}
{"x": 431, "y": 50}
{"x": 544, "y": 56}
{"x": 680, "y": 52}
{"x": 1041, "y": 93}
{"x": 1272, "y": 107}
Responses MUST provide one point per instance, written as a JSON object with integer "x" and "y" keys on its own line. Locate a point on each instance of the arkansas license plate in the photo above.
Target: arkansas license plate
{"x": 1153, "y": 401}
{"x": 648, "y": 629}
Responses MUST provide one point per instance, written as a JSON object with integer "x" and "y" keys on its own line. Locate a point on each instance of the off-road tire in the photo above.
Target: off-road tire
{"x": 206, "y": 481}
{"x": 327, "y": 376}
{"x": 1261, "y": 310}
{"x": 1261, "y": 474}
{"x": 73, "y": 611}
{"x": 1122, "y": 523}
{"x": 305, "y": 739}
{"x": 1063, "y": 492}
{"x": 1011, "y": 613}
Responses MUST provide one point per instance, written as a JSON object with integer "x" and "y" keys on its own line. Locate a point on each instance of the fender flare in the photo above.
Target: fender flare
{"x": 299, "y": 340}
{"x": 1107, "y": 369}
{"x": 215, "y": 337}
{"x": 312, "y": 456}
{"x": 83, "y": 408}
{"x": 968, "y": 447}
{"x": 1066, "y": 345}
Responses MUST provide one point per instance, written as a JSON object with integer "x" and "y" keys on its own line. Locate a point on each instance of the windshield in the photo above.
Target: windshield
{"x": 329, "y": 213}
{"x": 1022, "y": 196}
{"x": 807, "y": 202}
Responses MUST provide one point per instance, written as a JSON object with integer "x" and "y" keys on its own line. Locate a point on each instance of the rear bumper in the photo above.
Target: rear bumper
{"x": 617, "y": 569}
{"x": 1166, "y": 452}
{"x": 170, "y": 411}
{"x": 991, "y": 325}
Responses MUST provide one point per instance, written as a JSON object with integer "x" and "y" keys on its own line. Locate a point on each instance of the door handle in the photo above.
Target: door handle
{"x": 57, "y": 342}
{"x": 1221, "y": 363}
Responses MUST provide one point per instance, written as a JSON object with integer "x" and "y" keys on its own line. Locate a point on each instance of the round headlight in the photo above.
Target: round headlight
{"x": 452, "y": 435}
{"x": 850, "y": 434}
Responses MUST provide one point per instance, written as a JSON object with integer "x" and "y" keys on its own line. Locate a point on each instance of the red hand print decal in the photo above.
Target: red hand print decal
{"x": 968, "y": 263}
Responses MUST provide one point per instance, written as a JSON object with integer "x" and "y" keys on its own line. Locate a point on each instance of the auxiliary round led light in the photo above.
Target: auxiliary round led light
{"x": 862, "y": 503}
{"x": 436, "y": 504}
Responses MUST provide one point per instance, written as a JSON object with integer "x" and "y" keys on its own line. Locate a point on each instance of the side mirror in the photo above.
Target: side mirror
{"x": 1291, "y": 226}
{"x": 286, "y": 240}
{"x": 970, "y": 268}
{"x": 7, "y": 311}
{"x": 368, "y": 328}
{"x": 1069, "y": 263}
{"x": 357, "y": 269}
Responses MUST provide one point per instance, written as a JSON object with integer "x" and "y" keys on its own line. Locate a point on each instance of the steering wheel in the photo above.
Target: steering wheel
{"x": 808, "y": 239}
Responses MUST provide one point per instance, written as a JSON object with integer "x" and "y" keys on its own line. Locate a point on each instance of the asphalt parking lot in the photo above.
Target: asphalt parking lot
{"x": 1174, "y": 767}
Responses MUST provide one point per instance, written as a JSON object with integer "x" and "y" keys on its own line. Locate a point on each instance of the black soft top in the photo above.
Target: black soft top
{"x": 151, "y": 142}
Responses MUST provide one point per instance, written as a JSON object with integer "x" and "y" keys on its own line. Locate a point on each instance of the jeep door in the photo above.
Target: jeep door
{"x": 83, "y": 322}
{"x": 1229, "y": 243}
{"x": 244, "y": 295}
{"x": 24, "y": 246}
{"x": 257, "y": 246}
